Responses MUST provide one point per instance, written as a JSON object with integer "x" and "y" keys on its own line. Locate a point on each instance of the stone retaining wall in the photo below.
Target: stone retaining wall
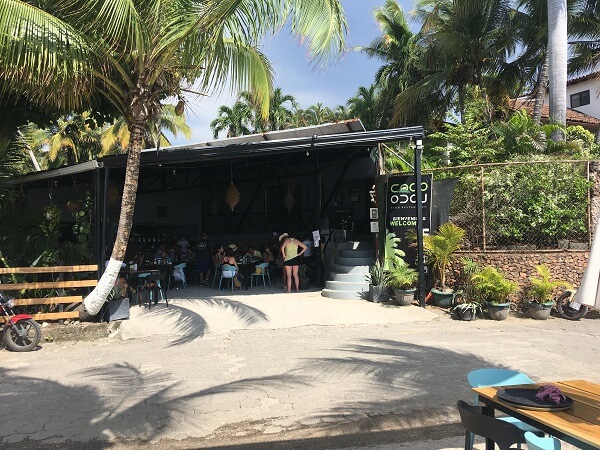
{"x": 567, "y": 265}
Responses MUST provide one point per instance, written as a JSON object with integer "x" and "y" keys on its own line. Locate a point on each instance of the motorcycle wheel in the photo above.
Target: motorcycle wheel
{"x": 23, "y": 336}
{"x": 563, "y": 306}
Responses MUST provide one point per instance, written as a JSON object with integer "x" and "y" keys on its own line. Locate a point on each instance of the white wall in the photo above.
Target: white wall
{"x": 593, "y": 109}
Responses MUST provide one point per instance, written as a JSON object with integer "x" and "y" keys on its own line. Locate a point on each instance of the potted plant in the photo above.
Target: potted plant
{"x": 542, "y": 287}
{"x": 439, "y": 249}
{"x": 495, "y": 289}
{"x": 467, "y": 309}
{"x": 468, "y": 302}
{"x": 304, "y": 272}
{"x": 402, "y": 279}
{"x": 378, "y": 280}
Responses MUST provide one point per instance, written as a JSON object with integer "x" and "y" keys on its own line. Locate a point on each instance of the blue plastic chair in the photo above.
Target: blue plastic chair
{"x": 541, "y": 443}
{"x": 228, "y": 272}
{"x": 264, "y": 272}
{"x": 181, "y": 267}
{"x": 217, "y": 271}
{"x": 500, "y": 377}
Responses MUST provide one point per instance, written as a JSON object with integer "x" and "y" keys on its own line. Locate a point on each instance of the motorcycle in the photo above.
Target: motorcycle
{"x": 569, "y": 309}
{"x": 21, "y": 332}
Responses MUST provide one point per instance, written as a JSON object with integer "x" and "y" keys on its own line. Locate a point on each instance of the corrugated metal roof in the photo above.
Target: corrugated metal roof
{"x": 342, "y": 127}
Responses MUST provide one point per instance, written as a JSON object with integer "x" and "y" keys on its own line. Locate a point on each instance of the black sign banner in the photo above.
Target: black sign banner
{"x": 401, "y": 212}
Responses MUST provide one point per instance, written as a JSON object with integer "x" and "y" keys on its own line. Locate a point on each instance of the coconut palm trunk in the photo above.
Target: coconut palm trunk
{"x": 540, "y": 94}
{"x": 94, "y": 301}
{"x": 557, "y": 59}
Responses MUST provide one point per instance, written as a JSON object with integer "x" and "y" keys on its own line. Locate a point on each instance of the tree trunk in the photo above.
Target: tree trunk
{"x": 557, "y": 60}
{"x": 540, "y": 95}
{"x": 93, "y": 302}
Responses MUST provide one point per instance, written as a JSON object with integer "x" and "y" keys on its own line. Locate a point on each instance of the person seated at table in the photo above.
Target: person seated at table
{"x": 268, "y": 256}
{"x": 138, "y": 258}
{"x": 218, "y": 255}
{"x": 253, "y": 253}
{"x": 158, "y": 253}
{"x": 229, "y": 258}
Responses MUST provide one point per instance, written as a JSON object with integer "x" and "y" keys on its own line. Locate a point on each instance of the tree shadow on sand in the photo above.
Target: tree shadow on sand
{"x": 418, "y": 385}
{"x": 190, "y": 325}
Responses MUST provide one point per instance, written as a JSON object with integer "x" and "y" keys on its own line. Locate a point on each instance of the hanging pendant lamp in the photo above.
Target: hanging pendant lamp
{"x": 232, "y": 195}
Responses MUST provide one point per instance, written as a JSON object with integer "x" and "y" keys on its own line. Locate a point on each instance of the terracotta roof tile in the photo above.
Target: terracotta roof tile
{"x": 573, "y": 116}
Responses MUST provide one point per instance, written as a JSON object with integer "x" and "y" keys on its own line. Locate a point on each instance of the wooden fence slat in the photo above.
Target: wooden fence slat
{"x": 56, "y": 316}
{"x": 55, "y": 269}
{"x": 47, "y": 285}
{"x": 51, "y": 316}
{"x": 48, "y": 301}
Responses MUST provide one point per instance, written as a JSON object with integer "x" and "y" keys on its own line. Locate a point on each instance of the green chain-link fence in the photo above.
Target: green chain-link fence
{"x": 537, "y": 205}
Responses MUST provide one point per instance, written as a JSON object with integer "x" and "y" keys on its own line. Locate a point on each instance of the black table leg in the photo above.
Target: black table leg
{"x": 489, "y": 411}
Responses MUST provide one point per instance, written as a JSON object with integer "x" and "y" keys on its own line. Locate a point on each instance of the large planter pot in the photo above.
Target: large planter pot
{"x": 540, "y": 311}
{"x": 404, "y": 297}
{"x": 466, "y": 314}
{"x": 378, "y": 294}
{"x": 498, "y": 311}
{"x": 442, "y": 299}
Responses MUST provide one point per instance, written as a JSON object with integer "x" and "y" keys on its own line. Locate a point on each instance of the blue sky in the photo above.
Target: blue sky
{"x": 332, "y": 85}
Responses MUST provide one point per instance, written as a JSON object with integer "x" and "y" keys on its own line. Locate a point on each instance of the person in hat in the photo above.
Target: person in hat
{"x": 233, "y": 248}
{"x": 292, "y": 250}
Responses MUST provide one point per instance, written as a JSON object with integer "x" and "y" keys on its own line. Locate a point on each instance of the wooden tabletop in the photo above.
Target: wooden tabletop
{"x": 581, "y": 422}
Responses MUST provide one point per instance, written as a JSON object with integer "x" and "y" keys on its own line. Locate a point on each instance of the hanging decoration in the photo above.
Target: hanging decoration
{"x": 288, "y": 198}
{"x": 214, "y": 207}
{"x": 232, "y": 195}
{"x": 288, "y": 201}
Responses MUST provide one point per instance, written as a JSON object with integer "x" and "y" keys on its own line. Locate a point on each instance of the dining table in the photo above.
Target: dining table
{"x": 132, "y": 278}
{"x": 246, "y": 269}
{"x": 578, "y": 424}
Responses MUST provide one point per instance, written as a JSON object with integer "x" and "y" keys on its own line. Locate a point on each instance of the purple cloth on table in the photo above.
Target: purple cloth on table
{"x": 550, "y": 393}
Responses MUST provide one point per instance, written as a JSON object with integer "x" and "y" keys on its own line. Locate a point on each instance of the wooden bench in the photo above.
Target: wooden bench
{"x": 89, "y": 282}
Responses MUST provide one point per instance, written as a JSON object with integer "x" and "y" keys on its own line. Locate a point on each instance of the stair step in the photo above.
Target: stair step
{"x": 341, "y": 268}
{"x": 357, "y": 254}
{"x": 359, "y": 261}
{"x": 347, "y": 277}
{"x": 354, "y": 246}
{"x": 356, "y": 286}
{"x": 344, "y": 295}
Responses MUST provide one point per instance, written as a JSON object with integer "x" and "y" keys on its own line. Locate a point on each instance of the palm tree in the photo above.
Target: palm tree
{"x": 136, "y": 54}
{"x": 365, "y": 106}
{"x": 397, "y": 48}
{"x": 557, "y": 63}
{"x": 584, "y": 28}
{"x": 464, "y": 43}
{"x": 280, "y": 117}
{"x": 236, "y": 120}
{"x": 115, "y": 138}
{"x": 317, "y": 114}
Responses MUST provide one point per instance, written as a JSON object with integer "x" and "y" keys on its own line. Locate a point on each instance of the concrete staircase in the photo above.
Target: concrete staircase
{"x": 347, "y": 278}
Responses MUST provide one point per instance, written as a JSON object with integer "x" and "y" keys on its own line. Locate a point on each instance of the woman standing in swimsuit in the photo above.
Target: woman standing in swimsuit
{"x": 291, "y": 258}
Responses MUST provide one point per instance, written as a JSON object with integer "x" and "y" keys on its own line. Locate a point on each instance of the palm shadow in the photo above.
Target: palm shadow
{"x": 190, "y": 325}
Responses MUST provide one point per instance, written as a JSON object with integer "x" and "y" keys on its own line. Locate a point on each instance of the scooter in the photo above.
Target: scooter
{"x": 21, "y": 332}
{"x": 569, "y": 309}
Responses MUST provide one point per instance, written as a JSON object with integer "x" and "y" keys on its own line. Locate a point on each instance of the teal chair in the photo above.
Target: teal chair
{"x": 541, "y": 443}
{"x": 264, "y": 273}
{"x": 228, "y": 273}
{"x": 500, "y": 377}
{"x": 181, "y": 270}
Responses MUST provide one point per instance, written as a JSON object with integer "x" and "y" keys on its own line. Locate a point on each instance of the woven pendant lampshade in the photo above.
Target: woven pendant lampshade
{"x": 232, "y": 196}
{"x": 214, "y": 207}
{"x": 288, "y": 201}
